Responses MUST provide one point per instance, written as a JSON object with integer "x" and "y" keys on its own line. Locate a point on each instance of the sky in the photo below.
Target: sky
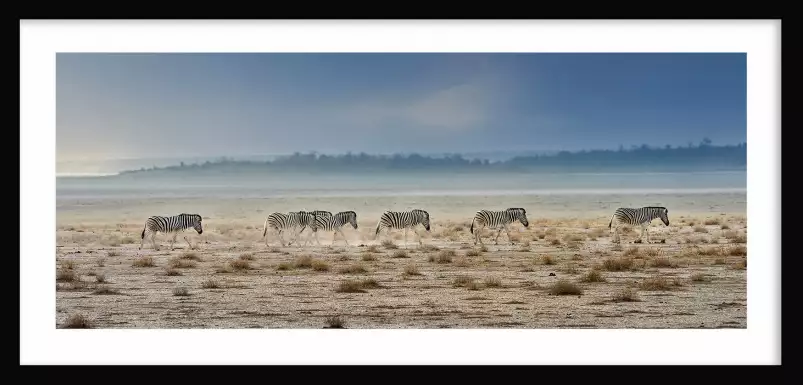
{"x": 131, "y": 105}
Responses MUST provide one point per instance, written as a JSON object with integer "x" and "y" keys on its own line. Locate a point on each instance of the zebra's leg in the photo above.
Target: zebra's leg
{"x": 405, "y": 237}
{"x": 478, "y": 235}
{"x": 498, "y": 232}
{"x": 153, "y": 240}
{"x": 173, "y": 240}
{"x": 419, "y": 236}
{"x": 342, "y": 235}
{"x": 316, "y": 238}
{"x": 508, "y": 234}
{"x": 647, "y": 232}
{"x": 142, "y": 242}
{"x": 281, "y": 239}
{"x": 189, "y": 245}
{"x": 641, "y": 235}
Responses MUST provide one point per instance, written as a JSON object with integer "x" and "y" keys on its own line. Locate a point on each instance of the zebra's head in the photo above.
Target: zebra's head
{"x": 663, "y": 213}
{"x": 424, "y": 217}
{"x": 350, "y": 217}
{"x": 197, "y": 223}
{"x": 520, "y": 214}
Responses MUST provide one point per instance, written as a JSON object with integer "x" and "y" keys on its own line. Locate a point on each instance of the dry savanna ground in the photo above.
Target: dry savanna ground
{"x": 558, "y": 273}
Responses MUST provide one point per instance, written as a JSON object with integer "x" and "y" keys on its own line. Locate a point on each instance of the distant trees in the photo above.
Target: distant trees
{"x": 703, "y": 155}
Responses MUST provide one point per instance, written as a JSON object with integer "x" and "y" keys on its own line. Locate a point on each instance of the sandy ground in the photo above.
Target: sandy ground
{"x": 561, "y": 272}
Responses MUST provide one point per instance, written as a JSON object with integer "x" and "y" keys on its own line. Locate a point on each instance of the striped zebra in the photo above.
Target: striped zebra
{"x": 173, "y": 224}
{"x": 284, "y": 222}
{"x": 403, "y": 220}
{"x": 641, "y": 217}
{"x": 316, "y": 213}
{"x": 497, "y": 219}
{"x": 333, "y": 223}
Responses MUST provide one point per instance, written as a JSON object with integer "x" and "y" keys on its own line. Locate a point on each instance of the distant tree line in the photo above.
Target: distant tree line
{"x": 703, "y": 155}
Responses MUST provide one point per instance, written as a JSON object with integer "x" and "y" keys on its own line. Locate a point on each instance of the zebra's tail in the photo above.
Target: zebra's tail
{"x": 378, "y": 225}
{"x": 265, "y": 231}
{"x": 143, "y": 232}
{"x": 609, "y": 223}
{"x": 472, "y": 225}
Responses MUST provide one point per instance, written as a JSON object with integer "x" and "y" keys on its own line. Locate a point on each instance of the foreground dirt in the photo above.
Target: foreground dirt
{"x": 559, "y": 273}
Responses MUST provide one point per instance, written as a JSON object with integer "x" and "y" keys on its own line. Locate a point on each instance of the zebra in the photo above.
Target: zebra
{"x": 316, "y": 213}
{"x": 403, "y": 220}
{"x": 641, "y": 217}
{"x": 173, "y": 224}
{"x": 497, "y": 219}
{"x": 333, "y": 223}
{"x": 288, "y": 221}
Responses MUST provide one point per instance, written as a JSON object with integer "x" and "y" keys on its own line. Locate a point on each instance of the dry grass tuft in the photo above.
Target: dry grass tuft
{"x": 210, "y": 284}
{"x": 303, "y": 262}
{"x": 181, "y": 292}
{"x": 112, "y": 253}
{"x": 593, "y": 276}
{"x": 64, "y": 275}
{"x": 105, "y": 290}
{"x": 352, "y": 286}
{"x": 372, "y": 249}
{"x": 247, "y": 256}
{"x": 353, "y": 269}
{"x": 100, "y": 262}
{"x": 711, "y": 222}
{"x": 547, "y": 260}
{"x": 445, "y": 256}
{"x": 484, "y": 249}
{"x": 739, "y": 251}
{"x": 100, "y": 278}
{"x": 625, "y": 295}
{"x": 178, "y": 263}
{"x": 741, "y": 265}
{"x": 700, "y": 277}
{"x": 554, "y": 242}
{"x": 563, "y": 287}
{"x": 659, "y": 283}
{"x": 77, "y": 321}
{"x": 388, "y": 244}
{"x": 171, "y": 272}
{"x": 493, "y": 282}
{"x": 319, "y": 265}
{"x": 462, "y": 281}
{"x": 617, "y": 264}
{"x": 69, "y": 265}
{"x": 284, "y": 266}
{"x": 719, "y": 261}
{"x": 663, "y": 262}
{"x": 411, "y": 270}
{"x": 472, "y": 253}
{"x": 368, "y": 257}
{"x": 334, "y": 322}
{"x": 143, "y": 262}
{"x": 400, "y": 254}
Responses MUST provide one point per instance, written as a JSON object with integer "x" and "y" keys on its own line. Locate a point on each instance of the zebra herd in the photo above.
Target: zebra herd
{"x": 320, "y": 220}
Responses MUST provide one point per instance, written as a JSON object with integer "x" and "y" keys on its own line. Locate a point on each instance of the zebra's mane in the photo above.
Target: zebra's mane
{"x": 347, "y": 212}
{"x": 517, "y": 209}
{"x": 655, "y": 207}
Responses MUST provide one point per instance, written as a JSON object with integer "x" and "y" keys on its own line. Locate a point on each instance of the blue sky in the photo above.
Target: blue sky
{"x": 162, "y": 105}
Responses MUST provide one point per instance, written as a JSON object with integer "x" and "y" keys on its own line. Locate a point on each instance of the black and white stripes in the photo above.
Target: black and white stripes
{"x": 173, "y": 224}
{"x": 641, "y": 217}
{"x": 334, "y": 223}
{"x": 497, "y": 220}
{"x": 403, "y": 220}
{"x": 282, "y": 222}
